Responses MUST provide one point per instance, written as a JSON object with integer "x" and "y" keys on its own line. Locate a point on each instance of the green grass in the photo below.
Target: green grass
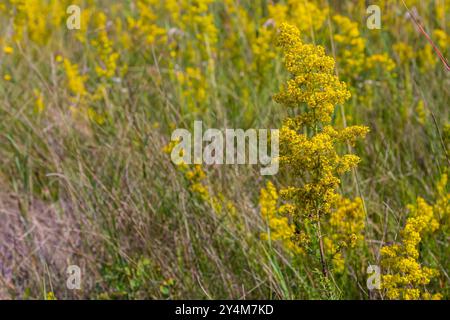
{"x": 107, "y": 198}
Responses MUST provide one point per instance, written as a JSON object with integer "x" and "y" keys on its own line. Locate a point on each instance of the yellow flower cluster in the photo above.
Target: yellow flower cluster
{"x": 261, "y": 49}
{"x": 193, "y": 40}
{"x": 350, "y": 48}
{"x": 36, "y": 19}
{"x": 442, "y": 40}
{"x": 404, "y": 52}
{"x": 79, "y": 94}
{"x": 404, "y": 276}
{"x": 107, "y": 64}
{"x": 39, "y": 105}
{"x": 347, "y": 222}
{"x": 280, "y": 228}
{"x": 75, "y": 81}
{"x": 308, "y": 144}
{"x": 446, "y": 135}
{"x": 305, "y": 15}
{"x": 195, "y": 20}
{"x": 380, "y": 60}
{"x": 8, "y": 50}
{"x": 313, "y": 82}
{"x": 424, "y": 56}
{"x": 260, "y": 34}
{"x": 421, "y": 112}
{"x": 50, "y": 296}
{"x": 344, "y": 229}
{"x": 442, "y": 203}
{"x": 145, "y": 26}
{"x": 427, "y": 59}
{"x": 193, "y": 88}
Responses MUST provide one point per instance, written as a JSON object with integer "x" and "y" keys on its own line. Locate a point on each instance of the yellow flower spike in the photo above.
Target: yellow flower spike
{"x": 382, "y": 60}
{"x": 350, "y": 47}
{"x": 442, "y": 39}
{"x": 39, "y": 102}
{"x": 280, "y": 229}
{"x": 76, "y": 82}
{"x": 308, "y": 148}
{"x": 404, "y": 276}
{"x": 404, "y": 52}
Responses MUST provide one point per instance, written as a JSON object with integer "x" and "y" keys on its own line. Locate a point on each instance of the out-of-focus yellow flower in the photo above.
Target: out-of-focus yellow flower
{"x": 404, "y": 52}
{"x": 421, "y": 112}
{"x": 39, "y": 105}
{"x": 8, "y": 50}
{"x": 350, "y": 47}
{"x": 427, "y": 59}
{"x": 7, "y": 77}
{"x": 442, "y": 205}
{"x": 76, "y": 82}
{"x": 50, "y": 296}
{"x": 107, "y": 65}
{"x": 194, "y": 88}
{"x": 381, "y": 60}
{"x": 37, "y": 19}
{"x": 95, "y": 116}
{"x": 305, "y": 15}
{"x": 195, "y": 20}
{"x": 145, "y": 26}
{"x": 442, "y": 39}
{"x": 278, "y": 223}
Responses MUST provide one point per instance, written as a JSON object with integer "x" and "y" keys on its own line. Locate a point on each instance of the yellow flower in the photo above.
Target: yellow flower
{"x": 441, "y": 207}
{"x": 404, "y": 52}
{"x": 381, "y": 60}
{"x": 145, "y": 27}
{"x": 8, "y": 50}
{"x": 7, "y": 77}
{"x": 427, "y": 59}
{"x": 50, "y": 296}
{"x": 39, "y": 102}
{"x": 442, "y": 39}
{"x": 75, "y": 80}
{"x": 308, "y": 143}
{"x": 421, "y": 112}
{"x": 404, "y": 276}
{"x": 305, "y": 15}
{"x": 277, "y": 221}
{"x": 350, "y": 47}
{"x": 108, "y": 59}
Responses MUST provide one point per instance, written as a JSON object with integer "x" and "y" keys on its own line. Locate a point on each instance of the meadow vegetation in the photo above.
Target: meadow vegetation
{"x": 86, "y": 176}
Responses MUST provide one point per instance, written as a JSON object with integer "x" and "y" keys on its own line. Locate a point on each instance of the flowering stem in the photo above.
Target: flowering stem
{"x": 322, "y": 251}
{"x": 319, "y": 232}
